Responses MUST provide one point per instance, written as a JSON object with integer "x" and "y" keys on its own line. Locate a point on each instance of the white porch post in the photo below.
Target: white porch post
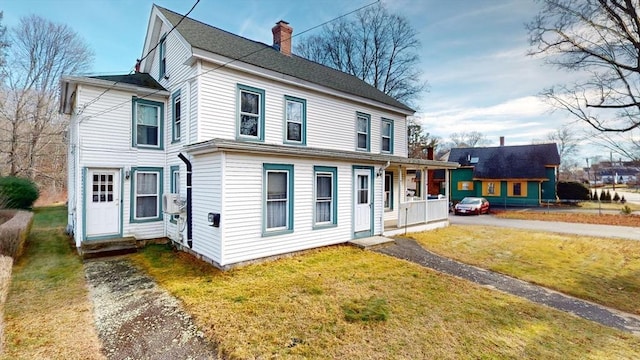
{"x": 401, "y": 186}
{"x": 446, "y": 183}
{"x": 425, "y": 191}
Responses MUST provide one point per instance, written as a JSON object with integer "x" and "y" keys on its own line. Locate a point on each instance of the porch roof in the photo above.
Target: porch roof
{"x": 216, "y": 145}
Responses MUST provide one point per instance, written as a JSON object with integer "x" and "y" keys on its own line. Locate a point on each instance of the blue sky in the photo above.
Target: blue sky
{"x": 473, "y": 52}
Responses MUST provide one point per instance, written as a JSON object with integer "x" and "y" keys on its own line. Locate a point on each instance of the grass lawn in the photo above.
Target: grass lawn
{"x": 341, "y": 302}
{"x": 48, "y": 312}
{"x": 603, "y": 219}
{"x": 608, "y": 206}
{"x": 605, "y": 271}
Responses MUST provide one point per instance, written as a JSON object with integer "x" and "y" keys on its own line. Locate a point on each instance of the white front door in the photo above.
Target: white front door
{"x": 362, "y": 191}
{"x": 103, "y": 203}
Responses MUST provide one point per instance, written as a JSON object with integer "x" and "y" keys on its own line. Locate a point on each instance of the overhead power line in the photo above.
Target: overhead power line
{"x": 138, "y": 61}
{"x": 117, "y": 106}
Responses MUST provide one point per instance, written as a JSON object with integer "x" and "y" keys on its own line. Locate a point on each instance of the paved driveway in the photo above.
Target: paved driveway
{"x": 623, "y": 232}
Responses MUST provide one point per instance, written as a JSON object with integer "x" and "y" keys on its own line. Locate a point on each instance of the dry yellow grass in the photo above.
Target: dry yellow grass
{"x": 293, "y": 308}
{"x": 582, "y": 218}
{"x": 48, "y": 313}
{"x": 606, "y": 271}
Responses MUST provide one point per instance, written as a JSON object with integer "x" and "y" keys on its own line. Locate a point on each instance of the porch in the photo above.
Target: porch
{"x": 416, "y": 198}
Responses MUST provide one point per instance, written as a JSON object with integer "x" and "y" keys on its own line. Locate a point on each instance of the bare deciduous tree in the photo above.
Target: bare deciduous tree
{"x": 468, "y": 139}
{"x": 377, "y": 47}
{"x": 626, "y": 144}
{"x": 419, "y": 140}
{"x": 567, "y": 140}
{"x": 600, "y": 39}
{"x": 39, "y": 52}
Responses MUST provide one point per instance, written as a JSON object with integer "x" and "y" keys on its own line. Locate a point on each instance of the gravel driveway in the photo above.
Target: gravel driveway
{"x": 136, "y": 319}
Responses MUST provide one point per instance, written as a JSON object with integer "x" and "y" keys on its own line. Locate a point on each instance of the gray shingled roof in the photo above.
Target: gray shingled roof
{"x": 139, "y": 79}
{"x": 209, "y": 38}
{"x": 508, "y": 162}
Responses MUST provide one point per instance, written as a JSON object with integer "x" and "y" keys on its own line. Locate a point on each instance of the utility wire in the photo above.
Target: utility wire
{"x": 138, "y": 61}
{"x": 117, "y": 106}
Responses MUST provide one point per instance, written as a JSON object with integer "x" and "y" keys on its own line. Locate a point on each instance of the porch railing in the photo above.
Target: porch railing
{"x": 422, "y": 211}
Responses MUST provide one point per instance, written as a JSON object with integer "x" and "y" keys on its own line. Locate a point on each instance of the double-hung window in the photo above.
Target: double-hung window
{"x": 363, "y": 130}
{"x": 387, "y": 136}
{"x": 146, "y": 191}
{"x": 295, "y": 120}
{"x": 325, "y": 212}
{"x": 147, "y": 123}
{"x": 174, "y": 172}
{"x": 162, "y": 49}
{"x": 250, "y": 113}
{"x": 176, "y": 100}
{"x": 278, "y": 199}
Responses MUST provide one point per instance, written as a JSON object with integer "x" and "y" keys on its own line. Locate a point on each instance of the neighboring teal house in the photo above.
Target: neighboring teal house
{"x": 523, "y": 175}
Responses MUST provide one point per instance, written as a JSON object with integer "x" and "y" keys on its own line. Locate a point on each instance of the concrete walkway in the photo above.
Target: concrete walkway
{"x": 607, "y": 231}
{"x": 410, "y": 250}
{"x": 136, "y": 319}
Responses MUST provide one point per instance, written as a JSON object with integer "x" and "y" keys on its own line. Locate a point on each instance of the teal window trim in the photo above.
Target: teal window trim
{"x": 303, "y": 121}
{"x": 386, "y": 122}
{"x": 318, "y": 170}
{"x": 366, "y": 117}
{"x": 134, "y": 124}
{"x": 288, "y": 169}
{"x": 261, "y": 109}
{"x": 176, "y": 122}
{"x": 132, "y": 210}
{"x": 162, "y": 57}
{"x": 390, "y": 184}
{"x": 174, "y": 188}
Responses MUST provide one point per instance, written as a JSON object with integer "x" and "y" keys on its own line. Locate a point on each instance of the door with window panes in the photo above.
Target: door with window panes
{"x": 102, "y": 203}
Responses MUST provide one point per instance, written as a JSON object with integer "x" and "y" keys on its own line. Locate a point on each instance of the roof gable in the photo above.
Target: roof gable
{"x": 211, "y": 39}
{"x": 508, "y": 162}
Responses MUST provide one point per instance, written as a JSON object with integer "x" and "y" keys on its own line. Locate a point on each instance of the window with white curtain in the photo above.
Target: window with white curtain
{"x": 146, "y": 192}
{"x": 325, "y": 196}
{"x": 278, "y": 198}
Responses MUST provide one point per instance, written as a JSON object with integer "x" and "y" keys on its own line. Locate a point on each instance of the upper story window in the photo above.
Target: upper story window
{"x": 387, "y": 136}
{"x": 177, "y": 117}
{"x": 162, "y": 49}
{"x": 147, "y": 123}
{"x": 295, "y": 120}
{"x": 363, "y": 131}
{"x": 250, "y": 113}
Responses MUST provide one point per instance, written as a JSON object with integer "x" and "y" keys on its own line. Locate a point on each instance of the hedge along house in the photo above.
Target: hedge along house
{"x": 237, "y": 150}
{"x": 523, "y": 175}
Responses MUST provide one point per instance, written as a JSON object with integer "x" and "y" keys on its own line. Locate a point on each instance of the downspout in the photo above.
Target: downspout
{"x": 189, "y": 222}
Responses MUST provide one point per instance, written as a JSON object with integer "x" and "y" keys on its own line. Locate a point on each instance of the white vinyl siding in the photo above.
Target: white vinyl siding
{"x": 327, "y": 117}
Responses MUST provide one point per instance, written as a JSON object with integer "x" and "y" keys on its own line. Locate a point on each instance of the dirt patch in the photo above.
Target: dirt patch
{"x": 136, "y": 319}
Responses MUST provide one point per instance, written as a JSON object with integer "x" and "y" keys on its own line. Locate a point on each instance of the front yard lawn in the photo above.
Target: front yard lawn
{"x": 344, "y": 303}
{"x": 605, "y": 271}
{"x": 583, "y": 218}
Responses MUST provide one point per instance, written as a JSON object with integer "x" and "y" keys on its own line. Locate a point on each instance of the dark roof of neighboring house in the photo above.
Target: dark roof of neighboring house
{"x": 209, "y": 38}
{"x": 619, "y": 171}
{"x": 139, "y": 79}
{"x": 508, "y": 162}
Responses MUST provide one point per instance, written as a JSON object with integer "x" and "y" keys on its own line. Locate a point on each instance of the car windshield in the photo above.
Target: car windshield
{"x": 470, "y": 201}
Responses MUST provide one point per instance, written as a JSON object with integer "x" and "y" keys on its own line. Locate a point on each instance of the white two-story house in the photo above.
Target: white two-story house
{"x": 237, "y": 150}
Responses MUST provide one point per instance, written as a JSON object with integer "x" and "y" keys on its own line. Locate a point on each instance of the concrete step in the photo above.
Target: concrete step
{"x": 110, "y": 247}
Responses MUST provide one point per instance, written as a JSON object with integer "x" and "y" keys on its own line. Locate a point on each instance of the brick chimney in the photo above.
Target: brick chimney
{"x": 282, "y": 37}
{"x": 430, "y": 153}
{"x": 501, "y": 140}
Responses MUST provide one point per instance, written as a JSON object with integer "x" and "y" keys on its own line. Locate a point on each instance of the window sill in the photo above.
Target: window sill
{"x": 324, "y": 226}
{"x": 266, "y": 233}
{"x": 141, "y": 221}
{"x": 148, "y": 147}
